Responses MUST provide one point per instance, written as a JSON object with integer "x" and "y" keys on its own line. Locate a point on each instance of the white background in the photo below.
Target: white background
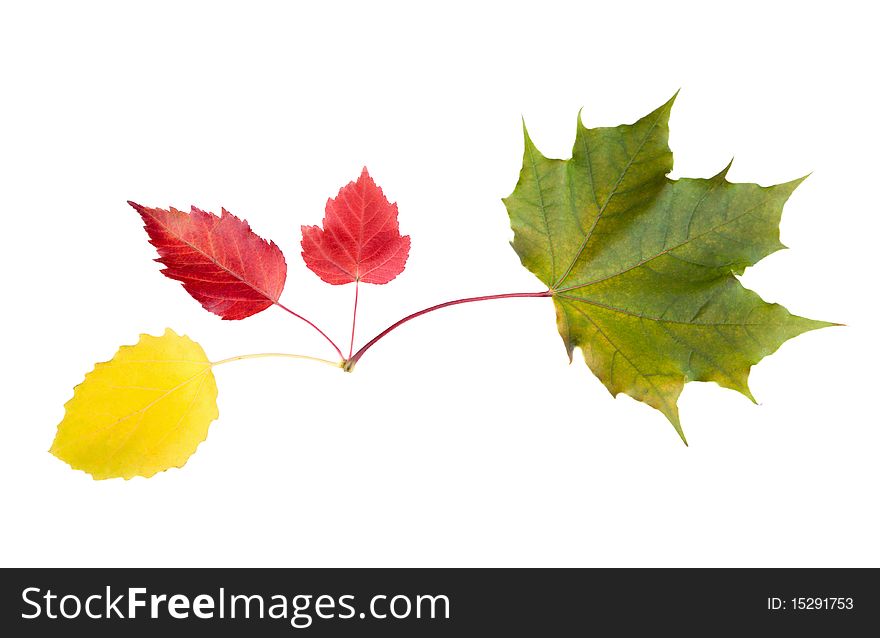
{"x": 465, "y": 438}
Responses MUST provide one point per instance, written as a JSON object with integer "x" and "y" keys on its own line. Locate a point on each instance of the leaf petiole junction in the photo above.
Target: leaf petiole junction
{"x": 348, "y": 364}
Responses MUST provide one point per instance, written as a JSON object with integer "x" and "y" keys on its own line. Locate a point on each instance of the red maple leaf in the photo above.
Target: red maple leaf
{"x": 221, "y": 262}
{"x": 360, "y": 239}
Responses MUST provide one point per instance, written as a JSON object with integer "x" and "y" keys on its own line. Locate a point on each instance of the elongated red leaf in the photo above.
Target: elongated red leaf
{"x": 221, "y": 262}
{"x": 360, "y": 239}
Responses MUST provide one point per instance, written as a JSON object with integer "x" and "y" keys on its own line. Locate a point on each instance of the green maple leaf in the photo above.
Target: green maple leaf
{"x": 642, "y": 269}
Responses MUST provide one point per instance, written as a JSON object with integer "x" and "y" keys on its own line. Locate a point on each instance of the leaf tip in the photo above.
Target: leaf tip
{"x": 529, "y": 147}
{"x": 671, "y": 101}
{"x": 722, "y": 174}
{"x": 671, "y": 413}
{"x": 569, "y": 350}
{"x": 791, "y": 185}
{"x": 681, "y": 434}
{"x": 525, "y": 130}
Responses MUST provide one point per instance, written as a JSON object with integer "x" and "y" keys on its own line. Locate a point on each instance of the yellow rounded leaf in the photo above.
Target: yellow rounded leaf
{"x": 142, "y": 412}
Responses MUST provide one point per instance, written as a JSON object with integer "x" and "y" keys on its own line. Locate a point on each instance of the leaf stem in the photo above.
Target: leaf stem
{"x": 354, "y": 315}
{"x": 335, "y": 364}
{"x": 321, "y": 332}
{"x": 352, "y": 360}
